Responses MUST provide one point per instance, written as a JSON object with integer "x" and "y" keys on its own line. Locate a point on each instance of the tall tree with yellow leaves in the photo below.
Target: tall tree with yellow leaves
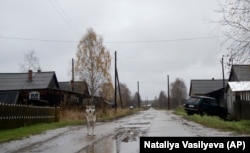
{"x": 93, "y": 62}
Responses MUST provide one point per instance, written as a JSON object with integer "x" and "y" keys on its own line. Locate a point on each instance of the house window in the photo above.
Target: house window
{"x": 34, "y": 95}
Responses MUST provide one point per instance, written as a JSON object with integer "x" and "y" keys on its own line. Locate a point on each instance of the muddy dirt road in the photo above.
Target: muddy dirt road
{"x": 120, "y": 136}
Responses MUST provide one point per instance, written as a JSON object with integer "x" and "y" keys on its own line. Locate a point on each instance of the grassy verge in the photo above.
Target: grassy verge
{"x": 13, "y": 134}
{"x": 240, "y": 127}
{"x": 112, "y": 115}
{"x": 68, "y": 118}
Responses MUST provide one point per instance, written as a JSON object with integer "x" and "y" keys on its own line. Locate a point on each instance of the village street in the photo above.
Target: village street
{"x": 118, "y": 136}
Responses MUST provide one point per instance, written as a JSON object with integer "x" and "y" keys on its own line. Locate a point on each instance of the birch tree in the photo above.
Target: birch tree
{"x": 235, "y": 25}
{"x": 93, "y": 62}
{"x": 178, "y": 92}
{"x": 31, "y": 62}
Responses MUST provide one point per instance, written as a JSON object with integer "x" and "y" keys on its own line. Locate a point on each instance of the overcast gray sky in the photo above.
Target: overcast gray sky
{"x": 153, "y": 38}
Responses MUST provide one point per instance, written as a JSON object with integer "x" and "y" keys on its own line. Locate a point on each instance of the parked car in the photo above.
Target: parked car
{"x": 204, "y": 105}
{"x": 131, "y": 107}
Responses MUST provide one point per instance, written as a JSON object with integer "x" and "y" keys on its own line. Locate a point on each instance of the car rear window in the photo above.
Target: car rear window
{"x": 193, "y": 100}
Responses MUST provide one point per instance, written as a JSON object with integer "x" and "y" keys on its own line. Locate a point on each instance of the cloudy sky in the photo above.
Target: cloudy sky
{"x": 153, "y": 38}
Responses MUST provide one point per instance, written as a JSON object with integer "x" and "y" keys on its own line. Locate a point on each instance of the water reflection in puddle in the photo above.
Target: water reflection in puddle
{"x": 106, "y": 145}
{"x": 112, "y": 145}
{"x": 124, "y": 140}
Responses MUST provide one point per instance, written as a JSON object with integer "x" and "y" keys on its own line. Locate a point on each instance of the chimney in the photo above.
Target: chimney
{"x": 30, "y": 75}
{"x": 39, "y": 70}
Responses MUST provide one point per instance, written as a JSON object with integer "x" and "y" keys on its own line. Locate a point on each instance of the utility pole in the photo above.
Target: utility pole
{"x": 115, "y": 83}
{"x": 120, "y": 95}
{"x": 168, "y": 95}
{"x": 222, "y": 63}
{"x": 73, "y": 76}
{"x": 138, "y": 91}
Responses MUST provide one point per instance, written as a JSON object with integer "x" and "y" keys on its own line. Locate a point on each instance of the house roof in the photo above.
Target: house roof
{"x": 65, "y": 86}
{"x": 203, "y": 87}
{"x": 239, "y": 86}
{"x": 240, "y": 72}
{"x": 9, "y": 97}
{"x": 79, "y": 87}
{"x": 20, "y": 81}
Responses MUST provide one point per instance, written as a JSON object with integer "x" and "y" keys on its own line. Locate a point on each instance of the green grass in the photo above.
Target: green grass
{"x": 18, "y": 133}
{"x": 240, "y": 127}
{"x": 71, "y": 119}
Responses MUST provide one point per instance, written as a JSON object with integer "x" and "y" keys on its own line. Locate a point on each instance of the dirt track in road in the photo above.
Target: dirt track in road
{"x": 111, "y": 137}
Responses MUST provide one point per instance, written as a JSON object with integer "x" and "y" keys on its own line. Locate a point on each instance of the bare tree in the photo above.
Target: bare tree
{"x": 107, "y": 91}
{"x": 162, "y": 101}
{"x": 235, "y": 25}
{"x": 30, "y": 62}
{"x": 93, "y": 62}
{"x": 126, "y": 94}
{"x": 155, "y": 102}
{"x": 136, "y": 100}
{"x": 178, "y": 92}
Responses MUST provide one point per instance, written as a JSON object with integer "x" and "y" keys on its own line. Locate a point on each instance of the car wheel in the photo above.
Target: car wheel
{"x": 190, "y": 113}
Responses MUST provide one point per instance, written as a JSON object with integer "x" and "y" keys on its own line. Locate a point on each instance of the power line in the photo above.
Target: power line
{"x": 34, "y": 39}
{"x": 165, "y": 40}
{"x": 111, "y": 42}
{"x": 67, "y": 16}
{"x": 64, "y": 15}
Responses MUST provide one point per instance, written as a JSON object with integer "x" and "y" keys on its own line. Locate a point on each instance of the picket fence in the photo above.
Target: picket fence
{"x": 14, "y": 116}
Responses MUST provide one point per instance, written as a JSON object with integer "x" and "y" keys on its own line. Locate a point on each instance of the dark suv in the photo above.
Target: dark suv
{"x": 204, "y": 105}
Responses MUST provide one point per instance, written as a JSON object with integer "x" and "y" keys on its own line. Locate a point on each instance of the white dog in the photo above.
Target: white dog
{"x": 90, "y": 115}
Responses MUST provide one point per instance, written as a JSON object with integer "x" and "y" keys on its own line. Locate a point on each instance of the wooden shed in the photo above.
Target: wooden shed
{"x": 238, "y": 99}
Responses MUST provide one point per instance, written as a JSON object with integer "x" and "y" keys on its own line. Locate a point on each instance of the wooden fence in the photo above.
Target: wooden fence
{"x": 14, "y": 116}
{"x": 241, "y": 110}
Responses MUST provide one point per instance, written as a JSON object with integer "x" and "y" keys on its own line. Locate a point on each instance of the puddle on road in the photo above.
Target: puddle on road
{"x": 123, "y": 140}
{"x": 106, "y": 145}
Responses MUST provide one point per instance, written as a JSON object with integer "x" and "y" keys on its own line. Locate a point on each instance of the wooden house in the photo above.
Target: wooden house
{"x": 238, "y": 92}
{"x": 37, "y": 88}
{"x": 75, "y": 93}
{"x": 32, "y": 88}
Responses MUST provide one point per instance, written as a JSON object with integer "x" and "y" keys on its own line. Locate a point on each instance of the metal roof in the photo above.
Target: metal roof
{"x": 79, "y": 87}
{"x": 202, "y": 87}
{"x": 239, "y": 86}
{"x": 242, "y": 72}
{"x": 19, "y": 81}
{"x": 65, "y": 86}
{"x": 9, "y": 97}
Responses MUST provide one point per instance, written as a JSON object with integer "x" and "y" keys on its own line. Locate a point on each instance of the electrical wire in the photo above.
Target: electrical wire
{"x": 34, "y": 39}
{"x": 159, "y": 41}
{"x": 112, "y": 42}
{"x": 64, "y": 15}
